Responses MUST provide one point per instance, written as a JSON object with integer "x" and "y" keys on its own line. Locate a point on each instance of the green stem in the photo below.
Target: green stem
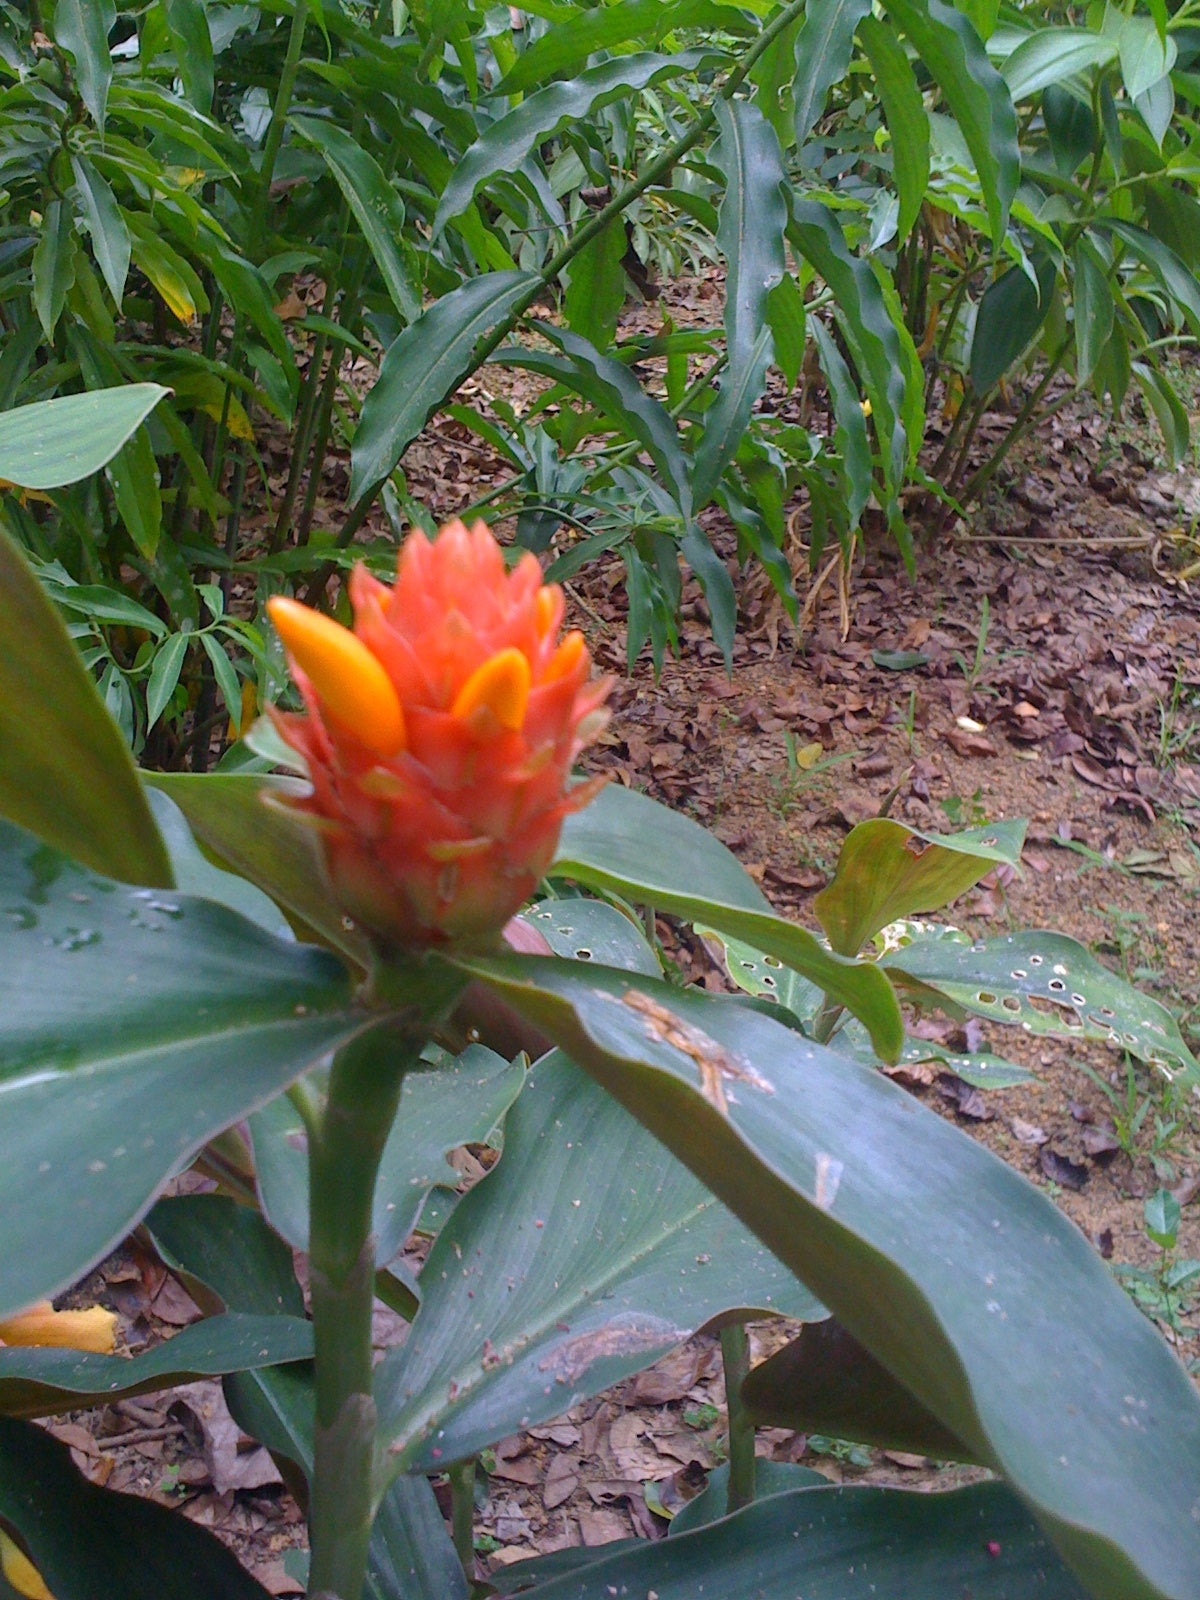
{"x": 735, "y": 1357}
{"x": 344, "y": 1152}
{"x": 1025, "y": 420}
{"x": 462, "y": 1515}
{"x": 279, "y": 111}
{"x": 650, "y": 175}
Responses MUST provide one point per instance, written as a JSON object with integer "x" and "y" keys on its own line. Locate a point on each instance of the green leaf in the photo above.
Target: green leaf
{"x": 823, "y": 48}
{"x": 1046, "y": 983}
{"x": 1007, "y": 321}
{"x": 67, "y": 773}
{"x": 887, "y": 870}
{"x": 41, "y": 1382}
{"x": 187, "y": 24}
{"x": 1169, "y": 411}
{"x": 596, "y": 284}
{"x": 834, "y": 1544}
{"x": 1146, "y": 56}
{"x": 83, "y": 27}
{"x": 440, "y": 1110}
{"x": 53, "y": 443}
{"x": 1093, "y": 307}
{"x": 1070, "y": 126}
{"x": 133, "y": 474}
{"x": 712, "y": 1503}
{"x": 226, "y": 678}
{"x": 714, "y": 580}
{"x": 239, "y": 820}
{"x": 91, "y": 1544}
{"x": 566, "y": 47}
{"x": 506, "y": 144}
{"x": 905, "y": 115}
{"x": 824, "y": 1382}
{"x": 977, "y": 96}
{"x": 585, "y": 1257}
{"x": 411, "y": 1556}
{"x": 592, "y": 930}
{"x": 135, "y": 1025}
{"x": 110, "y": 236}
{"x": 627, "y": 844}
{"x": 850, "y": 431}
{"x": 750, "y": 236}
{"x": 195, "y": 874}
{"x": 611, "y": 387}
{"x": 1013, "y": 1336}
{"x": 226, "y": 1256}
{"x": 377, "y": 207}
{"x": 164, "y": 676}
{"x": 422, "y": 366}
{"x": 1053, "y": 54}
{"x": 787, "y": 321}
{"x": 1180, "y": 284}
{"x": 872, "y": 336}
{"x": 53, "y": 265}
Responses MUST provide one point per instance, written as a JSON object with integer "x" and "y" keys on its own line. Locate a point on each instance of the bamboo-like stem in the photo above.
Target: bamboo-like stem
{"x": 1025, "y": 420}
{"x": 274, "y": 139}
{"x": 735, "y": 1357}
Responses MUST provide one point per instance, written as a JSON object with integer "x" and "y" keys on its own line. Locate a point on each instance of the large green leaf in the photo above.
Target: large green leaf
{"x": 1007, "y": 321}
{"x": 627, "y": 844}
{"x": 1052, "y": 54}
{"x": 1180, "y": 283}
{"x": 52, "y": 443}
{"x": 110, "y": 236}
{"x": 981, "y": 1298}
{"x": 566, "y": 47}
{"x": 750, "y": 235}
{"x": 440, "y": 1110}
{"x": 595, "y": 291}
{"x": 65, "y": 771}
{"x": 888, "y": 870}
{"x": 835, "y": 1544}
{"x": 194, "y": 873}
{"x": 1047, "y": 983}
{"x": 91, "y": 1544}
{"x": 422, "y": 366}
{"x": 586, "y": 1256}
{"x": 904, "y": 112}
{"x": 187, "y": 23}
{"x": 83, "y": 27}
{"x": 825, "y": 1382}
{"x": 225, "y": 1255}
{"x": 850, "y": 425}
{"x": 506, "y": 144}
{"x": 377, "y": 208}
{"x": 823, "y": 48}
{"x": 37, "y": 1382}
{"x": 1093, "y": 307}
{"x": 976, "y": 94}
{"x": 134, "y": 1025}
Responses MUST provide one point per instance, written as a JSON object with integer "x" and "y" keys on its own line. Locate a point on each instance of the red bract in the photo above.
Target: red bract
{"x": 439, "y": 737}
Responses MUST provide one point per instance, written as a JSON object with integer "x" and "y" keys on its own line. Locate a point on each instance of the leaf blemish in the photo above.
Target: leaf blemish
{"x": 713, "y": 1062}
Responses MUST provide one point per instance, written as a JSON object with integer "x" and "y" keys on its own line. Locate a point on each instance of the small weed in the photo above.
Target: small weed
{"x": 1177, "y": 736}
{"x": 962, "y": 813}
{"x": 1126, "y": 942}
{"x": 701, "y": 1417}
{"x": 804, "y": 763}
{"x": 1162, "y": 1292}
{"x": 973, "y": 671}
{"x": 850, "y": 1455}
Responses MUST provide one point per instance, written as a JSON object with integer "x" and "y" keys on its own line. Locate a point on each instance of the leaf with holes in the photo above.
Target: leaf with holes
{"x": 592, "y": 930}
{"x": 887, "y": 870}
{"x": 1047, "y": 983}
{"x": 587, "y": 1255}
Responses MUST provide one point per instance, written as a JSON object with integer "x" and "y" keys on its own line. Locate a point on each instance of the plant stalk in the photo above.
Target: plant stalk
{"x": 462, "y": 1515}
{"x": 735, "y": 1358}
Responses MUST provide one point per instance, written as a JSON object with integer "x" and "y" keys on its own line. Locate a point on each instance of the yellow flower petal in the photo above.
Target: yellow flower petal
{"x": 94, "y": 1329}
{"x": 502, "y": 685}
{"x": 20, "y": 1572}
{"x": 350, "y": 683}
{"x": 566, "y": 658}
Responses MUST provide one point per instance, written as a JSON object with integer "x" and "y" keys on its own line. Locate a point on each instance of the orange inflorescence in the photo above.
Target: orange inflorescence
{"x": 439, "y": 736}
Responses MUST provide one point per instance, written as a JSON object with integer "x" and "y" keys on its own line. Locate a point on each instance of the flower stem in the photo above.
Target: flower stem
{"x": 344, "y": 1154}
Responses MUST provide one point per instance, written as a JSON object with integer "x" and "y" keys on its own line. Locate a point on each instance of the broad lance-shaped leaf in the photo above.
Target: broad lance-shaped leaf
{"x": 828, "y": 1544}
{"x": 977, "y": 96}
{"x": 508, "y": 142}
{"x": 823, "y": 48}
{"x": 905, "y": 114}
{"x": 981, "y": 1298}
{"x": 65, "y": 772}
{"x": 440, "y": 1109}
{"x": 135, "y": 1024}
{"x": 586, "y": 1256}
{"x": 625, "y": 843}
{"x": 887, "y": 870}
{"x": 91, "y": 1544}
{"x": 422, "y": 366}
{"x": 37, "y": 1382}
{"x": 53, "y": 443}
{"x": 1047, "y": 983}
{"x": 753, "y": 217}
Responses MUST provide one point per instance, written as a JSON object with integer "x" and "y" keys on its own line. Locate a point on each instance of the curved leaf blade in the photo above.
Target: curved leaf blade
{"x": 585, "y": 1257}
{"x": 995, "y": 1312}
{"x": 1052, "y": 54}
{"x": 52, "y": 443}
{"x": 904, "y": 113}
{"x": 625, "y": 843}
{"x": 65, "y": 771}
{"x": 134, "y": 1025}
{"x": 823, "y": 48}
{"x": 422, "y": 366}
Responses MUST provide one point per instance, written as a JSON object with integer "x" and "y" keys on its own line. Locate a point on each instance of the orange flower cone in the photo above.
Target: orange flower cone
{"x": 439, "y": 737}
